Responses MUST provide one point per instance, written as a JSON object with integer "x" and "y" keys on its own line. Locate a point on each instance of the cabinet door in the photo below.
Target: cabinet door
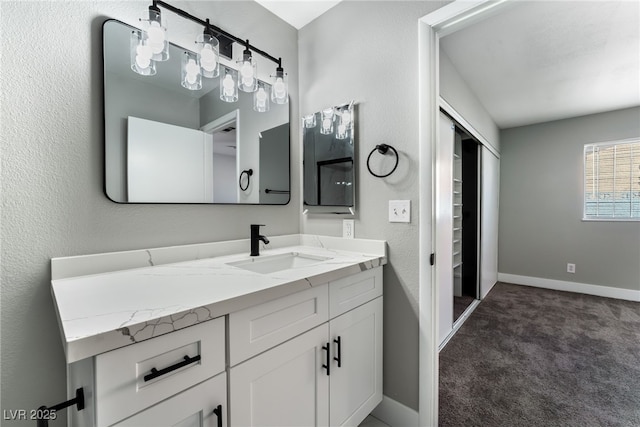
{"x": 285, "y": 386}
{"x": 356, "y": 384}
{"x": 204, "y": 405}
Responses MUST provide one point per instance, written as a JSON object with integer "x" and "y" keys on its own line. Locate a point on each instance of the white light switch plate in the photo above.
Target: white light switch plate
{"x": 399, "y": 210}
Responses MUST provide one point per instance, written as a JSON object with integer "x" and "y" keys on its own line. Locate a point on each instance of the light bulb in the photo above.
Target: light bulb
{"x": 142, "y": 62}
{"x": 228, "y": 85}
{"x": 156, "y": 37}
{"x": 310, "y": 121}
{"x": 208, "y": 58}
{"x": 279, "y": 88}
{"x": 247, "y": 81}
{"x": 346, "y": 117}
{"x": 246, "y": 71}
{"x": 326, "y": 124}
{"x": 192, "y": 68}
{"x": 143, "y": 51}
{"x": 261, "y": 98}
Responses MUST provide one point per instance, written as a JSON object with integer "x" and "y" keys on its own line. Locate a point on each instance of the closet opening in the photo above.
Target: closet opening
{"x": 466, "y": 217}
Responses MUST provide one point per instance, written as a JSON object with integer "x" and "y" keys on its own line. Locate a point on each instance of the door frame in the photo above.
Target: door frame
{"x": 446, "y": 20}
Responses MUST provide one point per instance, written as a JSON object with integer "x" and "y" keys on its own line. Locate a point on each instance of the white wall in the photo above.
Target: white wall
{"x": 52, "y": 172}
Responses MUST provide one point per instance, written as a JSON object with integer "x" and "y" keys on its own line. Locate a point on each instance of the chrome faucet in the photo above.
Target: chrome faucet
{"x": 255, "y": 239}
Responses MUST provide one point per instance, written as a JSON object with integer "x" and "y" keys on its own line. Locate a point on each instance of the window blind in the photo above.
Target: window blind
{"x": 612, "y": 180}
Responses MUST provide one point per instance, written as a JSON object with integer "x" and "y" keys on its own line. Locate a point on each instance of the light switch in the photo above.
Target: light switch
{"x": 399, "y": 210}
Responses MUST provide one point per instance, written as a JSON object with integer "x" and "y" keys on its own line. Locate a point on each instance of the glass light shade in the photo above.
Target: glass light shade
{"x": 228, "y": 85}
{"x": 248, "y": 74}
{"x": 156, "y": 29}
{"x": 209, "y": 55}
{"x": 261, "y": 98}
{"x": 141, "y": 54}
{"x": 191, "y": 76}
{"x": 326, "y": 126}
{"x": 345, "y": 122}
{"x": 280, "y": 88}
{"x": 309, "y": 121}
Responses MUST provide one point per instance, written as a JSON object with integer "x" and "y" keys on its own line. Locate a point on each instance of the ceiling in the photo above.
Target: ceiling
{"x": 298, "y": 12}
{"x": 540, "y": 61}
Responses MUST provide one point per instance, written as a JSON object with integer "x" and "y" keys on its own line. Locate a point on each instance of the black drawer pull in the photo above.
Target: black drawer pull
{"x": 339, "y": 357}
{"x": 328, "y": 365}
{"x": 157, "y": 373}
{"x": 218, "y": 412}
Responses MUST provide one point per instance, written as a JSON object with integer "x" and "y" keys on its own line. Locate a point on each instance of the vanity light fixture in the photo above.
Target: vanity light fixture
{"x": 151, "y": 44}
{"x": 191, "y": 74}
{"x": 229, "y": 85}
{"x": 345, "y": 121}
{"x": 309, "y": 121}
{"x": 326, "y": 127}
{"x": 261, "y": 98}
{"x": 155, "y": 29}
{"x": 248, "y": 70}
{"x": 208, "y": 52}
{"x": 141, "y": 54}
{"x": 280, "y": 87}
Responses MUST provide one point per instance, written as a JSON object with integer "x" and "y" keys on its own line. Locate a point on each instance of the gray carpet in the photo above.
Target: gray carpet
{"x": 536, "y": 357}
{"x": 460, "y": 304}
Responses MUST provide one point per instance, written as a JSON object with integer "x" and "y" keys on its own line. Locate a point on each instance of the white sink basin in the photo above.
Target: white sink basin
{"x": 273, "y": 263}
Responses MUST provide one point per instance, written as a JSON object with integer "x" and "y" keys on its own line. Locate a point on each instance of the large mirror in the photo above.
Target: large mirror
{"x": 167, "y": 144}
{"x": 329, "y": 154}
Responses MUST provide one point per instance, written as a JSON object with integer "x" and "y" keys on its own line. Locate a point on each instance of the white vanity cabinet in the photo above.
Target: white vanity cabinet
{"x": 224, "y": 345}
{"x": 152, "y": 381}
{"x": 328, "y": 375}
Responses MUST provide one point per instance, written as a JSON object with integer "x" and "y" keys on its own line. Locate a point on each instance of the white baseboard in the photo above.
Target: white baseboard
{"x": 395, "y": 414}
{"x": 582, "y": 288}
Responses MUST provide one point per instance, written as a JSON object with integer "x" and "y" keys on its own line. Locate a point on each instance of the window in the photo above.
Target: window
{"x": 612, "y": 180}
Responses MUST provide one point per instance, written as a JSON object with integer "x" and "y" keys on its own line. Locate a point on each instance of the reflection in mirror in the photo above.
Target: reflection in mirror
{"x": 329, "y": 179}
{"x": 167, "y": 144}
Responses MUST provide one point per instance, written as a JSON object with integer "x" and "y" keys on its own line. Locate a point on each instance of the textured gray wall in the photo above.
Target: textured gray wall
{"x": 367, "y": 52}
{"x": 52, "y": 171}
{"x": 541, "y": 227}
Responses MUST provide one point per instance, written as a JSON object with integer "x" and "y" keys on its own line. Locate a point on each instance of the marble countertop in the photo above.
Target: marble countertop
{"x": 118, "y": 305}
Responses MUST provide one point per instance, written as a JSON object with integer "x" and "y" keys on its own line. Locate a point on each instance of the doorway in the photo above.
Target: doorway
{"x": 432, "y": 27}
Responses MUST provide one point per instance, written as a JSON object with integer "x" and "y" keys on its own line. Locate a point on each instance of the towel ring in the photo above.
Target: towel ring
{"x": 382, "y": 149}
{"x": 249, "y": 172}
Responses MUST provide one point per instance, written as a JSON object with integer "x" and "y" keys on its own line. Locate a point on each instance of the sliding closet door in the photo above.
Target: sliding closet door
{"x": 489, "y": 221}
{"x": 444, "y": 226}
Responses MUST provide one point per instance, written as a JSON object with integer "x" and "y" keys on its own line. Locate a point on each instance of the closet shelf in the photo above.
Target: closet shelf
{"x": 458, "y": 264}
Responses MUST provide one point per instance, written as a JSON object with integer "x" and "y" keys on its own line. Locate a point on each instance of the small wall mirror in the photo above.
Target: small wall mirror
{"x": 168, "y": 144}
{"x": 329, "y": 160}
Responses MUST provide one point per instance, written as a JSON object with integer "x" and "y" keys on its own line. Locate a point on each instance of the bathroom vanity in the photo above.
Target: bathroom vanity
{"x": 205, "y": 335}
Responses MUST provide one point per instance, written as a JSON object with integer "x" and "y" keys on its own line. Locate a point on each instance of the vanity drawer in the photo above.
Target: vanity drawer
{"x": 123, "y": 382}
{"x": 352, "y": 291}
{"x": 258, "y": 328}
{"x": 199, "y": 406}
